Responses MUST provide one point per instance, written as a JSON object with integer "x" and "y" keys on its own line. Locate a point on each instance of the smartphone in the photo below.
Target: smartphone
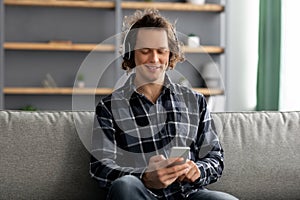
{"x": 183, "y": 152}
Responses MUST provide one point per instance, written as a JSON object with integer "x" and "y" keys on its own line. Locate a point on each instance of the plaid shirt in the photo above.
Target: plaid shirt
{"x": 129, "y": 129}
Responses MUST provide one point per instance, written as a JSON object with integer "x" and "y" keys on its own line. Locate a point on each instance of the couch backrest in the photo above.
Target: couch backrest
{"x": 262, "y": 154}
{"x": 43, "y": 156}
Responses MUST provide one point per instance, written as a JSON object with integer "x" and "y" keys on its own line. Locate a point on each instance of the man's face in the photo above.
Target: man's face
{"x": 151, "y": 55}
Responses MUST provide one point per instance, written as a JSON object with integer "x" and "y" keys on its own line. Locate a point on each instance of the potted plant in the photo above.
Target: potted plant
{"x": 80, "y": 81}
{"x": 29, "y": 108}
{"x": 193, "y": 40}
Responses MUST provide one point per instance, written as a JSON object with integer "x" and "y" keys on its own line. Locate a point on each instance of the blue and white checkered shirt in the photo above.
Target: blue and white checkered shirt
{"x": 129, "y": 129}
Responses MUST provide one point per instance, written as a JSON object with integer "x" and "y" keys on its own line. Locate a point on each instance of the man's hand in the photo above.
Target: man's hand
{"x": 193, "y": 173}
{"x": 159, "y": 175}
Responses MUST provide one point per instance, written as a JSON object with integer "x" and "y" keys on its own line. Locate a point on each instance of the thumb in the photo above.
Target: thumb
{"x": 157, "y": 158}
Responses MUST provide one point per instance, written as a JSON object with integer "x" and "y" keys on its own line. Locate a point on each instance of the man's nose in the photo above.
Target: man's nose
{"x": 154, "y": 56}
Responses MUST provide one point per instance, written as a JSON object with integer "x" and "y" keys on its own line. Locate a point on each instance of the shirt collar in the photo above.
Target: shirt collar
{"x": 129, "y": 87}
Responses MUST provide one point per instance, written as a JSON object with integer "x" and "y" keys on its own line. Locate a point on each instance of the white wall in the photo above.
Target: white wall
{"x": 242, "y": 54}
{"x": 290, "y": 68}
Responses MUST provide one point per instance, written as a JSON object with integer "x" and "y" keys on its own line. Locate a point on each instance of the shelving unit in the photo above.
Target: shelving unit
{"x": 1, "y": 54}
{"x": 12, "y": 47}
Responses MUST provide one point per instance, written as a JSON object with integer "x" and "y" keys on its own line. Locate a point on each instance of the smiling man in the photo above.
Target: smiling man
{"x": 138, "y": 124}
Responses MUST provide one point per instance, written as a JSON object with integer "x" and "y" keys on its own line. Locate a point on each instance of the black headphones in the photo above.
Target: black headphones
{"x": 127, "y": 48}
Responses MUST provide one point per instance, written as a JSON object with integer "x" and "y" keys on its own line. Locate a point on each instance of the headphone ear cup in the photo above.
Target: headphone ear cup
{"x": 126, "y": 47}
{"x": 126, "y": 51}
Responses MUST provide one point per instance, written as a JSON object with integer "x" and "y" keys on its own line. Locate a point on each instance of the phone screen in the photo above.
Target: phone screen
{"x": 183, "y": 152}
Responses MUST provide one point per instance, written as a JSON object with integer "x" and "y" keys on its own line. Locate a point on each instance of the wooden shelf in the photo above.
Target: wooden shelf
{"x": 57, "y": 91}
{"x": 204, "y": 49}
{"x": 125, "y": 5}
{"x": 58, "y": 3}
{"x": 83, "y": 91}
{"x": 91, "y": 47}
{"x": 57, "y": 46}
{"x": 209, "y": 91}
{"x": 172, "y": 6}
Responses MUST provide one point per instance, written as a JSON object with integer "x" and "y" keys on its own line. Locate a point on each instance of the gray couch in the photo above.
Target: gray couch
{"x": 43, "y": 155}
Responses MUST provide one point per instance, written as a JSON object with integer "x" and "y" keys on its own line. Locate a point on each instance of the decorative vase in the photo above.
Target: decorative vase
{"x": 80, "y": 84}
{"x": 211, "y": 75}
{"x": 198, "y": 2}
{"x": 193, "y": 41}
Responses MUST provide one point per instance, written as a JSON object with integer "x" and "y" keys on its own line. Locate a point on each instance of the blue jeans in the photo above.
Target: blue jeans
{"x": 131, "y": 188}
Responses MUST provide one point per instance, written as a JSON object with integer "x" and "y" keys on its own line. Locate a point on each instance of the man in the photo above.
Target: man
{"x": 136, "y": 126}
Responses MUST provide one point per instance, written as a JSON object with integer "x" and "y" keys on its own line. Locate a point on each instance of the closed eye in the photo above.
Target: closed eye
{"x": 159, "y": 51}
{"x": 163, "y": 50}
{"x": 144, "y": 50}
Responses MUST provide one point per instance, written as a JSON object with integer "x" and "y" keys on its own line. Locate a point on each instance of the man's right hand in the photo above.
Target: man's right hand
{"x": 159, "y": 173}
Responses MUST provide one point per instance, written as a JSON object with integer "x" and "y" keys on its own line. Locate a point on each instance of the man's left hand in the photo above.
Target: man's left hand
{"x": 192, "y": 175}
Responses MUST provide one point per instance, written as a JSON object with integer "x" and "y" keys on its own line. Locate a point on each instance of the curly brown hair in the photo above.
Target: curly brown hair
{"x": 150, "y": 18}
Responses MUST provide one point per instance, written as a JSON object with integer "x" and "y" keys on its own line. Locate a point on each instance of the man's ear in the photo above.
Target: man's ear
{"x": 169, "y": 61}
{"x": 170, "y": 56}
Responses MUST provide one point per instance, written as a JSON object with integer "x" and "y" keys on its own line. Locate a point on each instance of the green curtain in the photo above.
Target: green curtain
{"x": 268, "y": 77}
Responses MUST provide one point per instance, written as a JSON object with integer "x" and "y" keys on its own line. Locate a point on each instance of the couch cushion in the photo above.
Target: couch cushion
{"x": 262, "y": 159}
